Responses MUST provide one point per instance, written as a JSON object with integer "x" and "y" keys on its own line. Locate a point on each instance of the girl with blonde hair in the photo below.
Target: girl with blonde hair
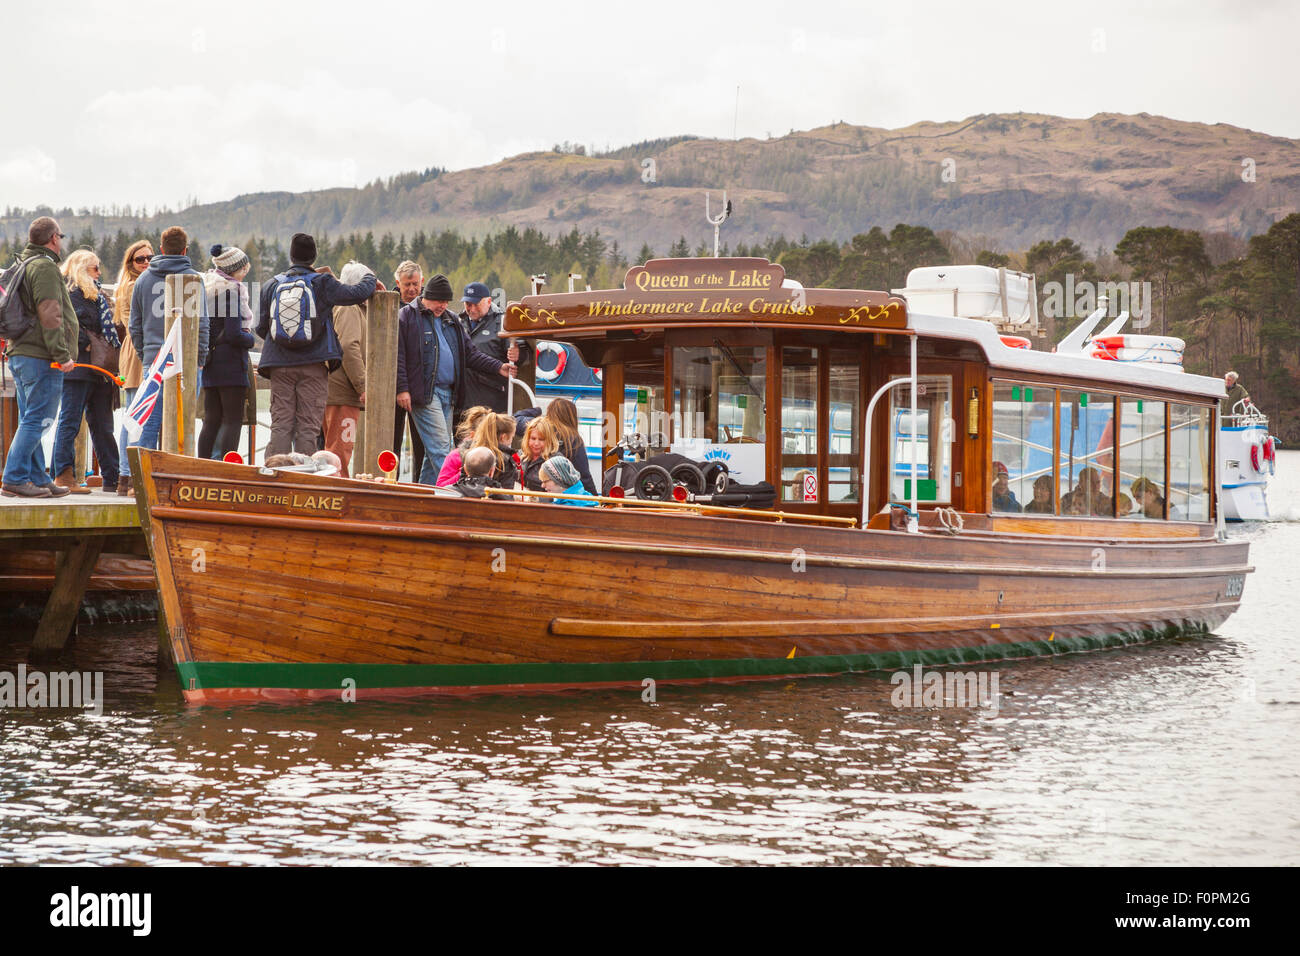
{"x": 496, "y": 432}
{"x": 563, "y": 416}
{"x": 134, "y": 262}
{"x": 469, "y": 422}
{"x": 86, "y": 391}
{"x": 540, "y": 444}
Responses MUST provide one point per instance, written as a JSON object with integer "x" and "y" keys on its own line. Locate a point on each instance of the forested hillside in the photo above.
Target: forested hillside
{"x": 1015, "y": 178}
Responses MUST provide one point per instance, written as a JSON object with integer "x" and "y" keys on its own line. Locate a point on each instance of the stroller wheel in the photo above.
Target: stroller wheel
{"x": 689, "y": 476}
{"x": 653, "y": 483}
{"x": 715, "y": 477}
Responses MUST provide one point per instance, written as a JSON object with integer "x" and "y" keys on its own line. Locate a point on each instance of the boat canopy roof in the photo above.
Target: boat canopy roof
{"x": 753, "y": 292}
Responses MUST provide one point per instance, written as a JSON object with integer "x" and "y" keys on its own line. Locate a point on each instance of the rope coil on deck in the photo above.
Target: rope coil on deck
{"x": 950, "y": 519}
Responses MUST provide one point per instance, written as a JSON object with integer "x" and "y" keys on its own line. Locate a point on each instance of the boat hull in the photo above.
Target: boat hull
{"x": 287, "y": 586}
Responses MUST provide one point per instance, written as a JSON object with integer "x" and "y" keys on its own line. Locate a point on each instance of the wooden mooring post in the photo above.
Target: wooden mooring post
{"x": 182, "y": 301}
{"x": 381, "y": 383}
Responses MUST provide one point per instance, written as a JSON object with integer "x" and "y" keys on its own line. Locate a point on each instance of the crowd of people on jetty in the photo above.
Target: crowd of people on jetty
{"x": 77, "y": 352}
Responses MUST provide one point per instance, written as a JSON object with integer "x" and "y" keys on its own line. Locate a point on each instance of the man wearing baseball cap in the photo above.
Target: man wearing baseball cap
{"x": 482, "y": 322}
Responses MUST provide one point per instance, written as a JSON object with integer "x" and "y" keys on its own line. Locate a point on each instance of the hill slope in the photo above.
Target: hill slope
{"x": 1015, "y": 178}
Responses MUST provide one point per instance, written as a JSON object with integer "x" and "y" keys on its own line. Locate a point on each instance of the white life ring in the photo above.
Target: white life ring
{"x": 561, "y": 359}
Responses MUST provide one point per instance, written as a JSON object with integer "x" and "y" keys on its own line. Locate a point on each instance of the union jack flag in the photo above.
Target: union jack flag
{"x": 167, "y": 364}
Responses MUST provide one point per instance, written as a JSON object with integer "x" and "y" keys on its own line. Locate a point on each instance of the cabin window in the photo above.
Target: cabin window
{"x": 1086, "y": 453}
{"x": 935, "y": 432}
{"x": 643, "y": 404}
{"x": 843, "y": 478}
{"x": 1142, "y": 459}
{"x": 799, "y": 425}
{"x": 1189, "y": 462}
{"x": 1022, "y": 444}
{"x": 719, "y": 408}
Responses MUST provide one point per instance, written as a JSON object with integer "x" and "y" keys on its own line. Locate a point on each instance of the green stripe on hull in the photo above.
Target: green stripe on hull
{"x": 208, "y": 675}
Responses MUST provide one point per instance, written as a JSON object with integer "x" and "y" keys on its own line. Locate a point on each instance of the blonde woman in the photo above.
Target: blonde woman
{"x": 134, "y": 262}
{"x": 539, "y": 444}
{"x": 563, "y": 416}
{"x": 86, "y": 391}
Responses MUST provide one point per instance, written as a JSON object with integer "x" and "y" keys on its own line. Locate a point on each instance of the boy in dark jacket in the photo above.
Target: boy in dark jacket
{"x": 433, "y": 353}
{"x": 477, "y": 473}
{"x": 299, "y": 372}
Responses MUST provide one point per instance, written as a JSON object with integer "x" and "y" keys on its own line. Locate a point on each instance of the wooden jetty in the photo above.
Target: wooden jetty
{"x": 69, "y": 546}
{"x": 79, "y": 531}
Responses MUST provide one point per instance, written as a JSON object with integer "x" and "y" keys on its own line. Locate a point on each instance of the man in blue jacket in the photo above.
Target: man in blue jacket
{"x": 300, "y": 349}
{"x": 148, "y": 324}
{"x": 433, "y": 354}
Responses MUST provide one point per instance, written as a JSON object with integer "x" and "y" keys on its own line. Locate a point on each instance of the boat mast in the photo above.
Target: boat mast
{"x": 717, "y": 222}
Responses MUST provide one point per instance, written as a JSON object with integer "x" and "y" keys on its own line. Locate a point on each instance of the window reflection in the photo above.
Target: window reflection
{"x": 935, "y": 431}
{"x": 1022, "y": 449}
{"x": 1142, "y": 459}
{"x": 1086, "y": 453}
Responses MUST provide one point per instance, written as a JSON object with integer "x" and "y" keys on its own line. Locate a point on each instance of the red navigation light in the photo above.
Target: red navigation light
{"x": 387, "y": 461}
{"x": 679, "y": 493}
{"x": 617, "y": 492}
{"x": 233, "y": 457}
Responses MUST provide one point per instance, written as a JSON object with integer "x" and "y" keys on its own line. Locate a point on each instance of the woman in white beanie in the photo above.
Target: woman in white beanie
{"x": 225, "y": 377}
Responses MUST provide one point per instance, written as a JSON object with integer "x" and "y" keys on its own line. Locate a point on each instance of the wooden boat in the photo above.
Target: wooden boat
{"x": 285, "y": 585}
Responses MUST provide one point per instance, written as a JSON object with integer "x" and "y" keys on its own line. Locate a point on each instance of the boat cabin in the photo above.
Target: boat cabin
{"x": 727, "y": 359}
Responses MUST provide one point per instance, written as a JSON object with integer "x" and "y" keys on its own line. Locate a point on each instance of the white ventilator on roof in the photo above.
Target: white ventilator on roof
{"x": 1114, "y": 327}
{"x": 1001, "y": 296}
{"x": 1072, "y": 344}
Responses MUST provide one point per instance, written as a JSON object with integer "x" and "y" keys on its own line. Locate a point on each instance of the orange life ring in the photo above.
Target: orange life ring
{"x": 1016, "y": 342}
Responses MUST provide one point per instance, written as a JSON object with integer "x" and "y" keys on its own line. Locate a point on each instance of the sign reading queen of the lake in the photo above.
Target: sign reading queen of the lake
{"x": 705, "y": 292}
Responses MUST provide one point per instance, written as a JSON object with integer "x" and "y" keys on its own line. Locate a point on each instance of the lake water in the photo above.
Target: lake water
{"x": 1177, "y": 753}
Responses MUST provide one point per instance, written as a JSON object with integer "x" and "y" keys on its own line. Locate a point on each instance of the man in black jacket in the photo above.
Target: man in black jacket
{"x": 433, "y": 356}
{"x": 482, "y": 321}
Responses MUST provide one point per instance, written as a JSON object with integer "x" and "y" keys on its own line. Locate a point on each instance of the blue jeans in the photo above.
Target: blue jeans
{"x": 95, "y": 401}
{"x": 433, "y": 422}
{"x": 124, "y": 437}
{"x": 39, "y": 388}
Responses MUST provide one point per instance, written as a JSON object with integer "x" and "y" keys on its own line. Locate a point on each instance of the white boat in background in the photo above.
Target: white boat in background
{"x": 1247, "y": 458}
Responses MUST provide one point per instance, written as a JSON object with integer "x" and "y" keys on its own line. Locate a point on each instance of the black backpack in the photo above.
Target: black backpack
{"x": 15, "y": 320}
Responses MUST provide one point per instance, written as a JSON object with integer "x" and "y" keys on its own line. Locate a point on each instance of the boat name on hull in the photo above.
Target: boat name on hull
{"x": 328, "y": 505}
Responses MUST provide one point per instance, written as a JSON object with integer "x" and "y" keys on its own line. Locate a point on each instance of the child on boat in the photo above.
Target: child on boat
{"x": 469, "y": 423}
{"x": 539, "y": 445}
{"x": 477, "y": 474}
{"x": 563, "y": 416}
{"x": 559, "y": 475}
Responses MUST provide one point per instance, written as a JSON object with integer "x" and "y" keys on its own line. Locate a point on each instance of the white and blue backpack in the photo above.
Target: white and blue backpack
{"x": 294, "y": 323}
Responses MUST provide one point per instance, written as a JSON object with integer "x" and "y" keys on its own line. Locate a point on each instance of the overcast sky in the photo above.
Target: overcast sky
{"x": 152, "y": 103}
